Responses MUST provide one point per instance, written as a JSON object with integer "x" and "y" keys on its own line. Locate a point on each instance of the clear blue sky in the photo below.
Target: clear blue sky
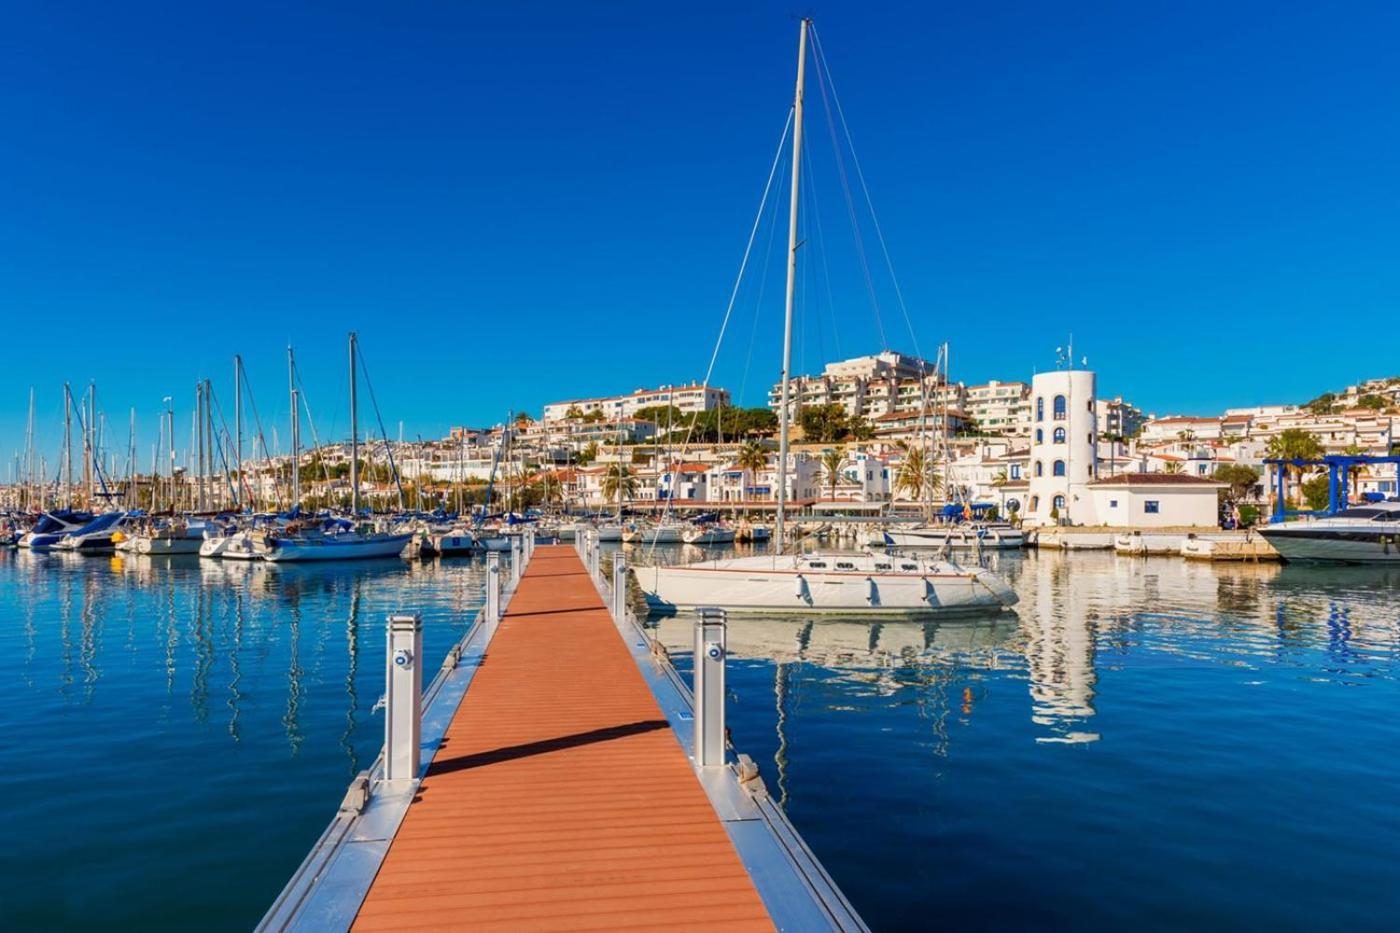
{"x": 517, "y": 202}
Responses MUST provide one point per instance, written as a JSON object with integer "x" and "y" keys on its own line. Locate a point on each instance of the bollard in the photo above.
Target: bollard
{"x": 619, "y": 588}
{"x": 493, "y": 587}
{"x": 580, "y": 537}
{"x": 709, "y": 686}
{"x": 594, "y": 550}
{"x": 403, "y": 696}
{"x": 515, "y": 559}
{"x": 529, "y": 545}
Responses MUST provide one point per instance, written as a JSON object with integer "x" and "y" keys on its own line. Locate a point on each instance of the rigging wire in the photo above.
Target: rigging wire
{"x": 380, "y": 418}
{"x": 733, "y": 296}
{"x": 850, "y": 204}
{"x": 824, "y": 67}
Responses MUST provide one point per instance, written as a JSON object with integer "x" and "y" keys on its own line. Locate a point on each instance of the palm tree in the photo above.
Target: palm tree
{"x": 619, "y": 479}
{"x": 832, "y": 462}
{"x": 1000, "y": 479}
{"x": 1293, "y": 444}
{"x": 916, "y": 475}
{"x": 1172, "y": 467}
{"x": 753, "y": 456}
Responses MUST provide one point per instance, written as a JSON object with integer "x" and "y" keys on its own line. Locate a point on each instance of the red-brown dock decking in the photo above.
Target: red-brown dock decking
{"x": 560, "y": 797}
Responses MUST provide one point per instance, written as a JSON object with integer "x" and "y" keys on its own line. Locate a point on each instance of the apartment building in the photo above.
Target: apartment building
{"x": 866, "y": 386}
{"x": 688, "y": 398}
{"x": 1000, "y": 407}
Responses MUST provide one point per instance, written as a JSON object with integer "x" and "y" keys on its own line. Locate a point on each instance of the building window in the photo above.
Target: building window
{"x": 1039, "y": 468}
{"x": 1059, "y": 408}
{"x": 1039, "y": 436}
{"x": 1059, "y": 435}
{"x": 1113, "y": 503}
{"x": 1040, "y": 409}
{"x": 1015, "y": 471}
{"x": 1152, "y": 506}
{"x": 1059, "y": 503}
{"x": 1059, "y": 468}
{"x": 1035, "y": 503}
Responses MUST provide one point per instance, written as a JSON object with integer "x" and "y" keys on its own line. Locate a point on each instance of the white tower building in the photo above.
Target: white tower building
{"x": 1063, "y": 458}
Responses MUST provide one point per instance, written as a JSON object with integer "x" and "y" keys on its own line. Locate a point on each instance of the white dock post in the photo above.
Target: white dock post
{"x": 403, "y": 696}
{"x": 529, "y": 545}
{"x": 710, "y": 626}
{"x": 493, "y": 587}
{"x": 619, "y": 588}
{"x": 515, "y": 559}
{"x": 595, "y": 548}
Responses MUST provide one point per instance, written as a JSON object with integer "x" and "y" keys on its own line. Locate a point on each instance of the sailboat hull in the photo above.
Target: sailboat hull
{"x": 328, "y": 548}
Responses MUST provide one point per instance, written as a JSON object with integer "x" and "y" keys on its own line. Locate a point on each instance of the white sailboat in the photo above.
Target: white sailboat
{"x": 814, "y": 583}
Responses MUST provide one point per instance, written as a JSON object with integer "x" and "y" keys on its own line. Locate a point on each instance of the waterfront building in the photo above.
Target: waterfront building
{"x": 1064, "y": 446}
{"x": 687, "y": 398}
{"x": 1154, "y": 500}
{"x": 1119, "y": 418}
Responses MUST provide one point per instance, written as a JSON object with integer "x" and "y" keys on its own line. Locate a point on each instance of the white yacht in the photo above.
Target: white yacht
{"x": 1362, "y": 534}
{"x": 851, "y": 583}
{"x": 966, "y": 536}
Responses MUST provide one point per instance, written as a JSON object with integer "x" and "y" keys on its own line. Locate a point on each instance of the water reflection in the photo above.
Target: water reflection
{"x": 1080, "y": 615}
{"x": 187, "y": 626}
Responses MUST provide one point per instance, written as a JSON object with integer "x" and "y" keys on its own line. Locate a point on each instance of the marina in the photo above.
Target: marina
{"x": 1147, "y": 679}
{"x": 709, "y": 516}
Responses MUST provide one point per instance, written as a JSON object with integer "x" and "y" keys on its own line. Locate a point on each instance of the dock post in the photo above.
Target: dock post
{"x": 580, "y": 537}
{"x": 493, "y": 587}
{"x": 515, "y": 559}
{"x": 529, "y": 545}
{"x": 594, "y": 550}
{"x": 403, "y": 696}
{"x": 619, "y": 593}
{"x": 710, "y": 623}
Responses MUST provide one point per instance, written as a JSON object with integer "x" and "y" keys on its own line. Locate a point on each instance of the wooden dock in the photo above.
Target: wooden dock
{"x": 559, "y": 797}
{"x": 561, "y": 793}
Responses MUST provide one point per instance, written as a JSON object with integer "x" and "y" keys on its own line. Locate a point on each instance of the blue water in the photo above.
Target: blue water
{"x": 1144, "y": 743}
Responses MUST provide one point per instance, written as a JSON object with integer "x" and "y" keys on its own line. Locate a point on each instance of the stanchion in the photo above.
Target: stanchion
{"x": 710, "y": 626}
{"x": 403, "y": 696}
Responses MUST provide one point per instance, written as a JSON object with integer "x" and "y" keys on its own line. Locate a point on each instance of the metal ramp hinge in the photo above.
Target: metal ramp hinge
{"x": 356, "y": 796}
{"x": 747, "y": 771}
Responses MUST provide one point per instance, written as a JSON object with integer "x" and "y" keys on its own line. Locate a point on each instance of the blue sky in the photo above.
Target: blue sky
{"x": 514, "y": 203}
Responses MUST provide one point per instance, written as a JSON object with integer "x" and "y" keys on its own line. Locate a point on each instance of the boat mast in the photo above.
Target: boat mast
{"x": 784, "y": 415}
{"x": 354, "y": 435}
{"x": 199, "y": 462}
{"x": 67, "y": 446}
{"x": 296, "y": 429}
{"x": 29, "y": 449}
{"x": 238, "y": 429}
{"x": 170, "y": 417}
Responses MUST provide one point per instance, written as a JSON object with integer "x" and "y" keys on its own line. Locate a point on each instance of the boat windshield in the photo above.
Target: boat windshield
{"x": 1360, "y": 513}
{"x": 101, "y": 523}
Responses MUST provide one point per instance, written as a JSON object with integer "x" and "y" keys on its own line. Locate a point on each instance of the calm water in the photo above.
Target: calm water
{"x": 1144, "y": 743}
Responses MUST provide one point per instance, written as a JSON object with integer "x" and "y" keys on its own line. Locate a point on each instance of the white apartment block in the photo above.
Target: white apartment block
{"x": 869, "y": 386}
{"x": 1000, "y": 407}
{"x": 688, "y": 398}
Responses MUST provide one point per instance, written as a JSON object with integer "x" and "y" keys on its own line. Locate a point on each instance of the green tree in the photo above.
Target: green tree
{"x": 1316, "y": 492}
{"x": 1323, "y": 404}
{"x": 1173, "y": 466}
{"x": 916, "y": 475}
{"x": 1373, "y": 402}
{"x": 1240, "y": 478}
{"x": 588, "y": 454}
{"x": 832, "y": 461}
{"x": 574, "y": 413}
{"x": 1294, "y": 444}
{"x": 753, "y": 456}
{"x": 618, "y": 478}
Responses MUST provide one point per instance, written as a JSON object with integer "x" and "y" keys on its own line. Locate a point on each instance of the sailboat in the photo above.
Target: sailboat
{"x": 874, "y": 584}
{"x": 340, "y": 539}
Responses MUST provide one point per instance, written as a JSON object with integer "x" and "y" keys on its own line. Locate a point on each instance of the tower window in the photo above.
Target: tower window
{"x": 1059, "y": 468}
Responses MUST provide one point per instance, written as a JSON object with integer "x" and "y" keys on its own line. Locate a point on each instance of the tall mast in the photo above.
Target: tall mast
{"x": 238, "y": 429}
{"x": 29, "y": 448}
{"x": 354, "y": 436}
{"x": 784, "y": 416}
{"x": 170, "y": 417}
{"x": 88, "y": 437}
{"x": 199, "y": 444}
{"x": 296, "y": 428}
{"x": 67, "y": 446}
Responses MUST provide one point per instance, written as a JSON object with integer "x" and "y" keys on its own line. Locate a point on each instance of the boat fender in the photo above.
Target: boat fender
{"x": 799, "y": 588}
